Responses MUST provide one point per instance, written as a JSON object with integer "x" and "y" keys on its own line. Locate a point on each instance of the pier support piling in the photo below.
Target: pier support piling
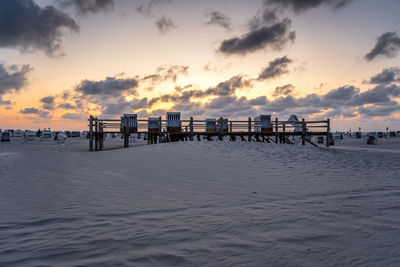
{"x": 91, "y": 133}
{"x": 303, "y": 132}
{"x": 328, "y": 129}
{"x": 249, "y": 129}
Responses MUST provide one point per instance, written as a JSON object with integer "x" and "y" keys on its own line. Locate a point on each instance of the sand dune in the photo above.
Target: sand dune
{"x": 200, "y": 203}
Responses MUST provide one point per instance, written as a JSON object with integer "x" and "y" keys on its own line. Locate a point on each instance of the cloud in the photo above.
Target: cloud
{"x": 181, "y": 97}
{"x": 283, "y": 90}
{"x": 167, "y": 72}
{"x": 380, "y": 94}
{"x": 379, "y": 111}
{"x": 303, "y": 5}
{"x": 4, "y": 102}
{"x": 301, "y": 67}
{"x": 41, "y": 113}
{"x": 48, "y": 102}
{"x": 346, "y": 101}
{"x": 387, "y": 76}
{"x": 276, "y": 68}
{"x": 13, "y": 78}
{"x": 148, "y": 8}
{"x": 234, "y": 106}
{"x": 123, "y": 106}
{"x": 66, "y": 106}
{"x": 267, "y": 17}
{"x": 388, "y": 45}
{"x": 273, "y": 37}
{"x": 72, "y": 116}
{"x": 165, "y": 24}
{"x": 222, "y": 100}
{"x": 219, "y": 19}
{"x": 111, "y": 86}
{"x": 27, "y": 26}
{"x": 84, "y": 7}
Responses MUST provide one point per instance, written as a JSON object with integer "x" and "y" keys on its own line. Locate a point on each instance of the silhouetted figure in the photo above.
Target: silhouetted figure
{"x": 38, "y": 133}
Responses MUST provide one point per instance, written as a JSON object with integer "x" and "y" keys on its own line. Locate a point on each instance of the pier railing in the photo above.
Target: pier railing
{"x": 248, "y": 130}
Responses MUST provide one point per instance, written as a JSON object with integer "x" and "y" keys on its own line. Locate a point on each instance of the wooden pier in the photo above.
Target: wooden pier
{"x": 192, "y": 129}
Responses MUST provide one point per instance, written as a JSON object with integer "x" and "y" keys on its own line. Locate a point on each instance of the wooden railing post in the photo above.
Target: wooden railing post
{"x": 96, "y": 136}
{"x": 328, "y": 129}
{"x": 148, "y": 133}
{"x": 191, "y": 128}
{"x": 101, "y": 141}
{"x": 91, "y": 133}
{"x": 160, "y": 127}
{"x": 276, "y": 130}
{"x": 249, "y": 129}
{"x": 303, "y": 132}
{"x": 221, "y": 128}
{"x": 230, "y": 127}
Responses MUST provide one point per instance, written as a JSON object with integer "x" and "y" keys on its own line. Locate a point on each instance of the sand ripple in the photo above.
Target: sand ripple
{"x": 207, "y": 203}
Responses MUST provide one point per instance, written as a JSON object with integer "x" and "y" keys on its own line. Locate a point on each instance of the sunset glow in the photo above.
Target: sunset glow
{"x": 147, "y": 57}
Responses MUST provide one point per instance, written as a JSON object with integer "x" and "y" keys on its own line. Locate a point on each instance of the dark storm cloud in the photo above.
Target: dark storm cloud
{"x": 220, "y": 19}
{"x": 387, "y": 76}
{"x": 273, "y": 37}
{"x": 27, "y": 26}
{"x": 165, "y": 24}
{"x": 13, "y": 78}
{"x": 303, "y": 5}
{"x": 276, "y": 68}
{"x": 84, "y": 7}
{"x": 41, "y": 113}
{"x": 283, "y": 90}
{"x": 111, "y": 86}
{"x": 388, "y": 45}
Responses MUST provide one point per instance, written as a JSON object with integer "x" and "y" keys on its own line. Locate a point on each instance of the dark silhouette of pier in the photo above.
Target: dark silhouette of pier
{"x": 158, "y": 130}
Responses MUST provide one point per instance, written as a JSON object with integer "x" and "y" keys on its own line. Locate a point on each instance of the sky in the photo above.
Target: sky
{"x": 63, "y": 60}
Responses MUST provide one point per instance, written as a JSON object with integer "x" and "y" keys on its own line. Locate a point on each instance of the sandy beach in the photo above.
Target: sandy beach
{"x": 200, "y": 203}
